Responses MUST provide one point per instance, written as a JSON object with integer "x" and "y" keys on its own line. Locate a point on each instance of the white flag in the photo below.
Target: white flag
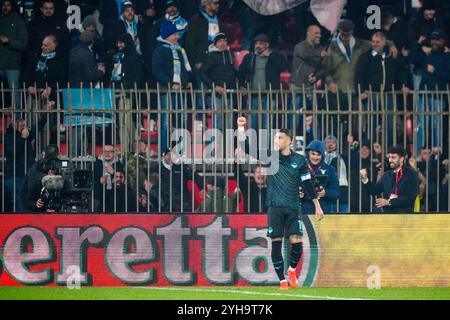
{"x": 267, "y": 8}
{"x": 328, "y": 12}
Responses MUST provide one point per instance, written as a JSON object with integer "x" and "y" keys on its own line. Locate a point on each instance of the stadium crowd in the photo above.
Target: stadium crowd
{"x": 177, "y": 45}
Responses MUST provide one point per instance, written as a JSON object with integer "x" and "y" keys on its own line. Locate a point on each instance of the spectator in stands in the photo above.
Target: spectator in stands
{"x": 398, "y": 188}
{"x": 149, "y": 200}
{"x": 13, "y": 42}
{"x": 46, "y": 70}
{"x": 200, "y": 34}
{"x": 82, "y": 66}
{"x": 44, "y": 75}
{"x": 129, "y": 23}
{"x": 174, "y": 176}
{"x": 217, "y": 200}
{"x": 170, "y": 68}
{"x": 218, "y": 74}
{"x": 334, "y": 159}
{"x": 121, "y": 198}
{"x": 110, "y": 12}
{"x": 90, "y": 24}
{"x": 261, "y": 70}
{"x": 342, "y": 58}
{"x": 306, "y": 71}
{"x": 128, "y": 68}
{"x": 361, "y": 158}
{"x": 248, "y": 19}
{"x": 307, "y": 58}
{"x": 425, "y": 23}
{"x": 170, "y": 63}
{"x": 253, "y": 188}
{"x": 32, "y": 184}
{"x": 395, "y": 30}
{"x": 172, "y": 15}
{"x": 379, "y": 72}
{"x": 44, "y": 24}
{"x": 431, "y": 167}
{"x": 19, "y": 153}
{"x": 104, "y": 168}
{"x": 137, "y": 166}
{"x": 325, "y": 179}
{"x": 148, "y": 12}
{"x": 435, "y": 63}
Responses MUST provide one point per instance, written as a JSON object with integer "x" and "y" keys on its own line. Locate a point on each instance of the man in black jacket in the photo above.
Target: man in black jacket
{"x": 19, "y": 153}
{"x": 218, "y": 74}
{"x": 128, "y": 67}
{"x": 46, "y": 70}
{"x": 379, "y": 72}
{"x": 174, "y": 175}
{"x": 82, "y": 64}
{"x": 260, "y": 70}
{"x": 201, "y": 31}
{"x": 399, "y": 186}
{"x": 44, "y": 24}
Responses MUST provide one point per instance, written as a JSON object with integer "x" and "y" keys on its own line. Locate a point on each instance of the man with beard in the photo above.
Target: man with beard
{"x": 120, "y": 198}
{"x": 128, "y": 67}
{"x": 282, "y": 199}
{"x": 399, "y": 186}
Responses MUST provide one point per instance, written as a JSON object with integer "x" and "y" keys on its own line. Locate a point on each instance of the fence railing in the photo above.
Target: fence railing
{"x": 134, "y": 128}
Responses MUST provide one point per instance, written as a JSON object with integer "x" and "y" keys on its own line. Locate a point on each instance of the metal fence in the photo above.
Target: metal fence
{"x": 86, "y": 123}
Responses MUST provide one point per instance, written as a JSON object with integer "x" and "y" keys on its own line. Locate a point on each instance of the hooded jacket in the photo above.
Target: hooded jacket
{"x": 331, "y": 184}
{"x": 218, "y": 68}
{"x": 132, "y": 66}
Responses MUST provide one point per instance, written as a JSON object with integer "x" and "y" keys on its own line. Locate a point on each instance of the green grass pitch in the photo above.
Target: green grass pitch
{"x": 220, "y": 293}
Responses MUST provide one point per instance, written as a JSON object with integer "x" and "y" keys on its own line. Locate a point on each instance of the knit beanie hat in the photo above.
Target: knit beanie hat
{"x": 168, "y": 29}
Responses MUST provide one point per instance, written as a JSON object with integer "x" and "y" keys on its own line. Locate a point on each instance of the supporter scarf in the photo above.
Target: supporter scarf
{"x": 117, "y": 70}
{"x": 132, "y": 30}
{"x": 176, "y": 48}
{"x": 180, "y": 23}
{"x": 343, "y": 49}
{"x": 213, "y": 24}
{"x": 42, "y": 63}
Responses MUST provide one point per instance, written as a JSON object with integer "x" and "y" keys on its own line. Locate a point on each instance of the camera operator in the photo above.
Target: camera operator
{"x": 32, "y": 185}
{"x": 399, "y": 186}
{"x": 325, "y": 179}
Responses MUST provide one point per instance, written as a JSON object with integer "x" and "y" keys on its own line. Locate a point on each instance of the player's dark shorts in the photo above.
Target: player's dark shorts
{"x": 284, "y": 221}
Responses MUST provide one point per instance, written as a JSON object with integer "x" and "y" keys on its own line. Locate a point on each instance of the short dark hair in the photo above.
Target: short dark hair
{"x": 288, "y": 133}
{"x": 397, "y": 150}
{"x": 47, "y": 1}
{"x": 51, "y": 151}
